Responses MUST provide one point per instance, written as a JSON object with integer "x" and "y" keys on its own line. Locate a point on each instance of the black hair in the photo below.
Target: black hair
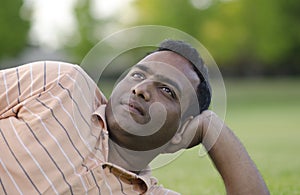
{"x": 191, "y": 54}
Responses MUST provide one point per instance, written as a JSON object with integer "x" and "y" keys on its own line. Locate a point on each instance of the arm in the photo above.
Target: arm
{"x": 229, "y": 156}
{"x": 231, "y": 159}
{"x": 27, "y": 81}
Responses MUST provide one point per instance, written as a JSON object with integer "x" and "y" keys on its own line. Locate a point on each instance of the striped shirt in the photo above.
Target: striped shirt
{"x": 53, "y": 135}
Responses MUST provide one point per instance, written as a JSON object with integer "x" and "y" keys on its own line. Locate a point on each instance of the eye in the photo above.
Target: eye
{"x": 168, "y": 91}
{"x": 138, "y": 76}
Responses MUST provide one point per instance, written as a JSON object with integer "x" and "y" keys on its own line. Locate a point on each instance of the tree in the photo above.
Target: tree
{"x": 244, "y": 36}
{"x": 13, "y": 29}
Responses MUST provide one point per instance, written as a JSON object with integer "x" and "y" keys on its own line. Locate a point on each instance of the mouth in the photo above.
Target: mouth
{"x": 132, "y": 105}
{"x": 136, "y": 108}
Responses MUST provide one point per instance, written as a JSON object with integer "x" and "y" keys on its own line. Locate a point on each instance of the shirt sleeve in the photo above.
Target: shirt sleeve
{"x": 28, "y": 81}
{"x": 46, "y": 132}
{"x": 18, "y": 84}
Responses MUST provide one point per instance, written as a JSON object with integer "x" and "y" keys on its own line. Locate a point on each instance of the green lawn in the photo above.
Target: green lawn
{"x": 265, "y": 115}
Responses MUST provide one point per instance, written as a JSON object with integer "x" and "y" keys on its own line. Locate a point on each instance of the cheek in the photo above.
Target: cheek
{"x": 120, "y": 89}
{"x": 173, "y": 117}
{"x": 176, "y": 114}
{"x": 175, "y": 109}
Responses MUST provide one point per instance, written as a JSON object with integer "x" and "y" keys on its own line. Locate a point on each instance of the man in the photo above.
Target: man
{"x": 59, "y": 135}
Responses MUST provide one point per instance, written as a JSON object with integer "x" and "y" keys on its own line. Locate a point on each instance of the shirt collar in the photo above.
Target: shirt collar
{"x": 143, "y": 179}
{"x": 99, "y": 115}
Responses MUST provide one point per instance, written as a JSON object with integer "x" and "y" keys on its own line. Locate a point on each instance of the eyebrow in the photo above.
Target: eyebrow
{"x": 158, "y": 76}
{"x": 143, "y": 67}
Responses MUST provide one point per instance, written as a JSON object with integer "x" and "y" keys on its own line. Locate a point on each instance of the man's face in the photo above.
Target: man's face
{"x": 146, "y": 107}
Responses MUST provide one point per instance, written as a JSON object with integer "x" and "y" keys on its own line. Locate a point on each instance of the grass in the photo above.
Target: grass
{"x": 265, "y": 115}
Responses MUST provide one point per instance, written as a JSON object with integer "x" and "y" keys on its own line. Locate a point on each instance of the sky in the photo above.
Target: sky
{"x": 53, "y": 19}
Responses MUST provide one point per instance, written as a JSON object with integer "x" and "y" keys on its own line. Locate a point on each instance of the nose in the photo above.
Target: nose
{"x": 142, "y": 90}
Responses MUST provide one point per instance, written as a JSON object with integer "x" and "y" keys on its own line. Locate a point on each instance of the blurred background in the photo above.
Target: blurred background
{"x": 256, "y": 44}
{"x": 245, "y": 37}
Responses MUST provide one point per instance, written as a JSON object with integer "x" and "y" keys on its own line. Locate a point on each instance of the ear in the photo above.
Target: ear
{"x": 177, "y": 138}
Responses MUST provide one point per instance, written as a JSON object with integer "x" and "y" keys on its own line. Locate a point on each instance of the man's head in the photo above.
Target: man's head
{"x": 191, "y": 54}
{"x": 150, "y": 103}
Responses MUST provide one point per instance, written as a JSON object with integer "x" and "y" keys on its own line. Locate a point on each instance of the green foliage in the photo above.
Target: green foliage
{"x": 89, "y": 32}
{"x": 251, "y": 35}
{"x": 246, "y": 37}
{"x": 13, "y": 29}
{"x": 86, "y": 26}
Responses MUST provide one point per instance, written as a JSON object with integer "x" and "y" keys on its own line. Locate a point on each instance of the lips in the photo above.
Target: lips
{"x": 136, "y": 108}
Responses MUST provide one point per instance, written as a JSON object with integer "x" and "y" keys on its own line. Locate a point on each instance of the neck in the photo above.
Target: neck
{"x": 134, "y": 161}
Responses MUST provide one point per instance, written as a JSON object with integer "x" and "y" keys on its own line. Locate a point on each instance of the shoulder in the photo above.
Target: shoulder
{"x": 53, "y": 73}
{"x": 47, "y": 67}
{"x": 53, "y": 66}
{"x": 53, "y": 69}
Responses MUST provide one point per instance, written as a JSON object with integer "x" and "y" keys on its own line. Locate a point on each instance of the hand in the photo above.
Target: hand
{"x": 191, "y": 132}
{"x": 229, "y": 156}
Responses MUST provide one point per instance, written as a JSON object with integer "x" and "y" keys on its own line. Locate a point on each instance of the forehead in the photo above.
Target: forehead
{"x": 165, "y": 61}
